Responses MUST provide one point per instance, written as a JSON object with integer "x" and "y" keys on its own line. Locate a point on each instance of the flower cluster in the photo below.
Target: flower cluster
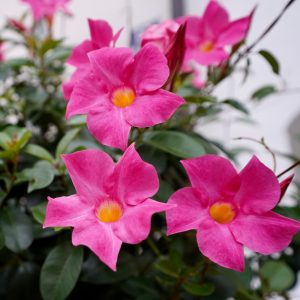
{"x": 118, "y": 90}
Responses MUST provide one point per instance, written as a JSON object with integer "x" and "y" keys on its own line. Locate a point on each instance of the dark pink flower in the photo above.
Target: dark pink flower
{"x": 101, "y": 36}
{"x": 17, "y": 25}
{"x": 207, "y": 37}
{"x": 124, "y": 90}
{"x": 111, "y": 204}
{"x": 160, "y": 35}
{"x": 1, "y": 52}
{"x": 230, "y": 210}
{"x": 47, "y": 8}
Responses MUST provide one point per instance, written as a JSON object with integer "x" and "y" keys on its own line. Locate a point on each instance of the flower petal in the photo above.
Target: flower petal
{"x": 213, "y": 174}
{"x": 216, "y": 242}
{"x": 79, "y": 57}
{"x": 90, "y": 171}
{"x": 110, "y": 64}
{"x": 259, "y": 191}
{"x": 214, "y": 19}
{"x": 107, "y": 124}
{"x": 100, "y": 238}
{"x": 267, "y": 233}
{"x": 135, "y": 224}
{"x": 153, "y": 108}
{"x": 149, "y": 70}
{"x": 235, "y": 31}
{"x": 101, "y": 32}
{"x": 88, "y": 93}
{"x": 134, "y": 179}
{"x": 66, "y": 211}
{"x": 190, "y": 209}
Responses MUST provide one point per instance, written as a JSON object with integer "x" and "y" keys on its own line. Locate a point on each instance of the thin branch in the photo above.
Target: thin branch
{"x": 297, "y": 163}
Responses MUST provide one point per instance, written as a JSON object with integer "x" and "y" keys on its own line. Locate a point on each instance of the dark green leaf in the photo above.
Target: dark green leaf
{"x": 175, "y": 142}
{"x": 66, "y": 141}
{"x": 60, "y": 271}
{"x": 2, "y": 241}
{"x": 271, "y": 60}
{"x": 4, "y": 140}
{"x": 237, "y": 105}
{"x": 17, "y": 229}
{"x": 278, "y": 274}
{"x": 39, "y": 212}
{"x": 196, "y": 289}
{"x": 263, "y": 92}
{"x": 38, "y": 151}
{"x": 200, "y": 99}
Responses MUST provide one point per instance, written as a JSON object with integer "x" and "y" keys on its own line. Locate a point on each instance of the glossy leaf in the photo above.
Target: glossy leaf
{"x": 273, "y": 62}
{"x": 38, "y": 151}
{"x": 66, "y": 141}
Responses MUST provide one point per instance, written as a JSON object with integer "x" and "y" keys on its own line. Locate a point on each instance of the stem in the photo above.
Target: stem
{"x": 297, "y": 163}
{"x": 153, "y": 247}
{"x": 263, "y": 143}
{"x": 267, "y": 30}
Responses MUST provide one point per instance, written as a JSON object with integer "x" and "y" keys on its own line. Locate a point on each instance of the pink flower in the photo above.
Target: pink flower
{"x": 1, "y": 52}
{"x": 101, "y": 36}
{"x": 47, "y": 8}
{"x": 207, "y": 37}
{"x": 123, "y": 91}
{"x": 230, "y": 210}
{"x": 17, "y": 25}
{"x": 197, "y": 79}
{"x": 111, "y": 204}
{"x": 160, "y": 35}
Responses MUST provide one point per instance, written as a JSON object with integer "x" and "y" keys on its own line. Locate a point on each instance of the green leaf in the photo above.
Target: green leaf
{"x": 77, "y": 120}
{"x": 49, "y": 44}
{"x": 237, "y": 105}
{"x": 39, "y": 212}
{"x": 278, "y": 274}
{"x": 17, "y": 229}
{"x": 200, "y": 99}
{"x": 40, "y": 176}
{"x": 175, "y": 143}
{"x": 196, "y": 289}
{"x": 66, "y": 141}
{"x": 166, "y": 266}
{"x": 263, "y": 92}
{"x": 269, "y": 57}
{"x": 4, "y": 140}
{"x": 38, "y": 151}
{"x": 23, "y": 137}
{"x": 2, "y": 240}
{"x": 60, "y": 271}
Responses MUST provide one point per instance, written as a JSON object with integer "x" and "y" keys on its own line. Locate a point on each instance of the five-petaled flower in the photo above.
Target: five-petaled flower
{"x": 111, "y": 204}
{"x": 124, "y": 90}
{"x": 230, "y": 210}
{"x": 207, "y": 37}
{"x": 101, "y": 36}
{"x": 47, "y": 8}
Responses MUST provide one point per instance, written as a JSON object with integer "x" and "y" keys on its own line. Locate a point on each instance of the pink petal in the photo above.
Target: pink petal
{"x": 135, "y": 224}
{"x": 214, "y": 57}
{"x": 88, "y": 93}
{"x": 152, "y": 108}
{"x": 135, "y": 180}
{"x": 150, "y": 69}
{"x": 190, "y": 209}
{"x": 214, "y": 19}
{"x": 213, "y": 174}
{"x": 117, "y": 36}
{"x": 100, "y": 238}
{"x": 90, "y": 171}
{"x": 66, "y": 211}
{"x": 79, "y": 56}
{"x": 216, "y": 242}
{"x": 101, "y": 32}
{"x": 193, "y": 34}
{"x": 235, "y": 31}
{"x": 266, "y": 233}
{"x": 110, "y": 64}
{"x": 284, "y": 184}
{"x": 107, "y": 124}
{"x": 259, "y": 191}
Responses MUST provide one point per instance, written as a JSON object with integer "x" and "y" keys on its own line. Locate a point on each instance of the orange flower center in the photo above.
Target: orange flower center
{"x": 123, "y": 97}
{"x": 109, "y": 211}
{"x": 207, "y": 46}
{"x": 222, "y": 212}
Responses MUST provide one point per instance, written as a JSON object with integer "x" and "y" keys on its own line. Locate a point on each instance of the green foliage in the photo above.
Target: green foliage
{"x": 269, "y": 57}
{"x": 263, "y": 92}
{"x": 60, "y": 271}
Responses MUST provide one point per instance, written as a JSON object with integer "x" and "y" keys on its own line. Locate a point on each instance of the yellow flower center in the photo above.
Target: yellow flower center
{"x": 207, "y": 46}
{"x": 222, "y": 212}
{"x": 109, "y": 211}
{"x": 123, "y": 97}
